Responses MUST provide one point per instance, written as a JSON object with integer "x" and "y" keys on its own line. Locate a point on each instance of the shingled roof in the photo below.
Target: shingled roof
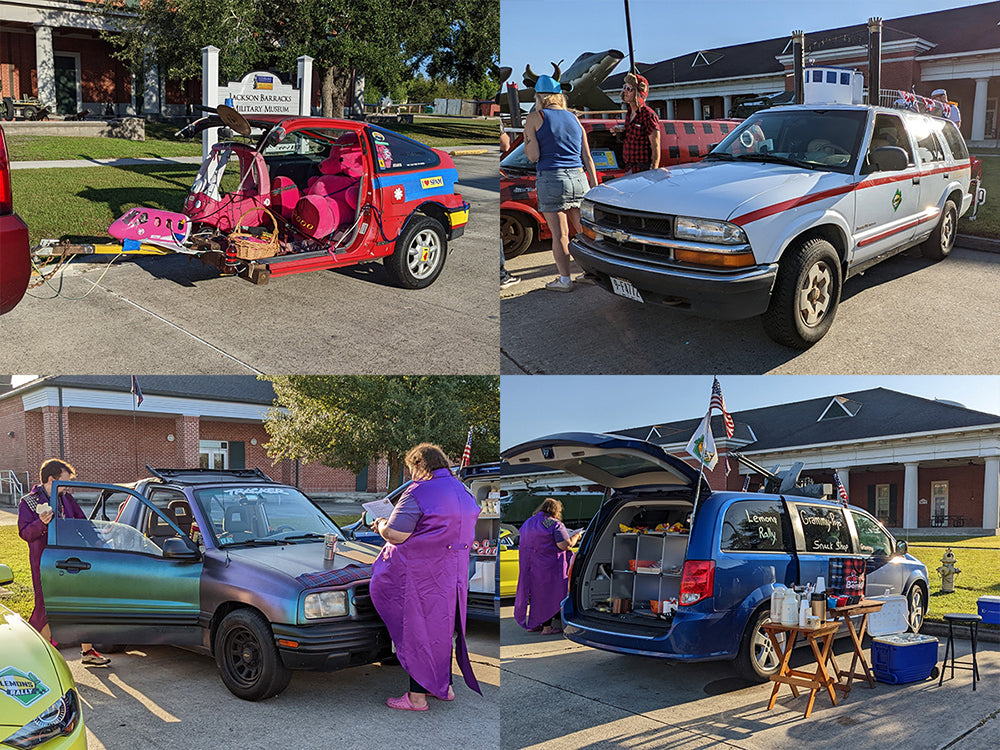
{"x": 239, "y": 388}
{"x": 874, "y": 413}
{"x": 952, "y": 31}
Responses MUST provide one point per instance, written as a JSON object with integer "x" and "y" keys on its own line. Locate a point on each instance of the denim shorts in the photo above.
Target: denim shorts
{"x": 560, "y": 189}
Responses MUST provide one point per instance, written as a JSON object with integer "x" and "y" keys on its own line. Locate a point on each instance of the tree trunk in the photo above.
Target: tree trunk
{"x": 334, "y": 91}
{"x": 395, "y": 471}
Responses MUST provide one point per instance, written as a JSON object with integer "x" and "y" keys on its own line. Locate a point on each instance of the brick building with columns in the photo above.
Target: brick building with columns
{"x": 954, "y": 49}
{"x": 913, "y": 462}
{"x": 183, "y": 421}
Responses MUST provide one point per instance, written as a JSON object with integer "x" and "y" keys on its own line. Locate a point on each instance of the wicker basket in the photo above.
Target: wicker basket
{"x": 251, "y": 247}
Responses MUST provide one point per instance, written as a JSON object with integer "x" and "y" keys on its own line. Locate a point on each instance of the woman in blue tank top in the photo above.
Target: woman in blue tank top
{"x": 554, "y": 138}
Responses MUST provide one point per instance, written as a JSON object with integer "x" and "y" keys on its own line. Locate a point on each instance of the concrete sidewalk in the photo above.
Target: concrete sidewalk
{"x": 473, "y": 149}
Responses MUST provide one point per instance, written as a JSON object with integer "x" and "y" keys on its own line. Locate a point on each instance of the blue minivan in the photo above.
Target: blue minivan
{"x": 721, "y": 568}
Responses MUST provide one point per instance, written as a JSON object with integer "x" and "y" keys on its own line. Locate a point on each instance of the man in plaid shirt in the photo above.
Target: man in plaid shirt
{"x": 641, "y": 147}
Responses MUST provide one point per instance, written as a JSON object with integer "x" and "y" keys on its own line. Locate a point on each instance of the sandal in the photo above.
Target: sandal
{"x": 451, "y": 695}
{"x": 403, "y": 703}
{"x": 551, "y": 631}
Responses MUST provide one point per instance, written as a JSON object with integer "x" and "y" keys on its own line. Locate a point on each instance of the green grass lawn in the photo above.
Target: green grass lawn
{"x": 161, "y": 142}
{"x": 979, "y": 572}
{"x": 14, "y": 552}
{"x": 90, "y": 198}
{"x": 987, "y": 223}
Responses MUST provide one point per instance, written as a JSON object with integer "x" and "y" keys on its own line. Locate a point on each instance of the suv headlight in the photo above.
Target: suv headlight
{"x": 705, "y": 230}
{"x": 61, "y": 718}
{"x": 587, "y": 210}
{"x": 326, "y": 604}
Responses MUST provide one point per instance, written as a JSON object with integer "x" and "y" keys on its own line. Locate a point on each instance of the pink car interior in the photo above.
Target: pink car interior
{"x": 332, "y": 199}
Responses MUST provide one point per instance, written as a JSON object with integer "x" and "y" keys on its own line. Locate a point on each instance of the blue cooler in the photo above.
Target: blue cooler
{"x": 906, "y": 657}
{"x": 897, "y": 656}
{"x": 989, "y": 609}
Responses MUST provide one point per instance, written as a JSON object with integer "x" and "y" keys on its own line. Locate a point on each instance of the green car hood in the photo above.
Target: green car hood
{"x": 33, "y": 675}
{"x": 295, "y": 559}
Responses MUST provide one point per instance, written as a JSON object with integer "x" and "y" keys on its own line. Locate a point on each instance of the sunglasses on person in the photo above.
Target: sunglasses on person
{"x": 627, "y": 87}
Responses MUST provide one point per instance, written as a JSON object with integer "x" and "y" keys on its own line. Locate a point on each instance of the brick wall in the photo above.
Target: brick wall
{"x": 17, "y": 61}
{"x": 103, "y": 79}
{"x": 965, "y": 492}
{"x": 13, "y": 450}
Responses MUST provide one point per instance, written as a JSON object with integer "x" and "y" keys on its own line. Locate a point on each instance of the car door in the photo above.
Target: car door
{"x": 884, "y": 573}
{"x": 110, "y": 582}
{"x": 936, "y": 172}
{"x": 821, "y": 533}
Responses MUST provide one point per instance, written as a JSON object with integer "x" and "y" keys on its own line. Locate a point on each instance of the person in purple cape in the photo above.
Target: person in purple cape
{"x": 543, "y": 568}
{"x": 34, "y": 514}
{"x": 420, "y": 580}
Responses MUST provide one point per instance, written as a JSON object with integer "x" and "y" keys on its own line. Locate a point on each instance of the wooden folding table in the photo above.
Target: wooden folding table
{"x": 821, "y": 641}
{"x": 845, "y": 613}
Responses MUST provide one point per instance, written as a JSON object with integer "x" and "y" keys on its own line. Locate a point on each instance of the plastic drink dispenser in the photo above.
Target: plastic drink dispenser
{"x": 777, "y": 599}
{"x": 790, "y": 609}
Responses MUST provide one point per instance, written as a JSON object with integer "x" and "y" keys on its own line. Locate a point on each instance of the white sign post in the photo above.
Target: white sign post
{"x": 209, "y": 93}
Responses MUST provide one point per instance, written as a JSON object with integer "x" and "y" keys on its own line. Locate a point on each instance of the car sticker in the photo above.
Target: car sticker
{"x": 24, "y": 688}
{"x": 432, "y": 182}
{"x": 897, "y": 199}
{"x": 397, "y": 194}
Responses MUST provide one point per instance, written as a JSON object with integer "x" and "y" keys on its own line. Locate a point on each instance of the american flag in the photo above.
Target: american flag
{"x": 840, "y": 488}
{"x": 467, "y": 453}
{"x": 719, "y": 402}
{"x": 136, "y": 392}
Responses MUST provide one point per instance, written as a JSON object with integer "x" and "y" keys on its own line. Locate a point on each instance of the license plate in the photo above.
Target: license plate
{"x": 624, "y": 288}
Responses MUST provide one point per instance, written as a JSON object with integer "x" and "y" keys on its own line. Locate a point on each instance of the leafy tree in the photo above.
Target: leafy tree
{"x": 345, "y": 421}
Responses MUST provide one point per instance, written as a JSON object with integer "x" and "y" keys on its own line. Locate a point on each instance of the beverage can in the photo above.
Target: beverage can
{"x": 330, "y": 547}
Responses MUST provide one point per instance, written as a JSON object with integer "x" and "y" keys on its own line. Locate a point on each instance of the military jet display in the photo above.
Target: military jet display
{"x": 584, "y": 76}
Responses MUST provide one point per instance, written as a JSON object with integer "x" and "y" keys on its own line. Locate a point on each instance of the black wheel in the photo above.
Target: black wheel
{"x": 517, "y": 234}
{"x": 757, "y": 659}
{"x": 248, "y": 659}
{"x": 916, "y": 601}
{"x": 938, "y": 246}
{"x": 806, "y": 294}
{"x": 935, "y": 672}
{"x": 419, "y": 255}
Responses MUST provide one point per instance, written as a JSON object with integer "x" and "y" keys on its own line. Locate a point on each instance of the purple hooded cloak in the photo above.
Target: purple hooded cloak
{"x": 543, "y": 570}
{"x": 420, "y": 586}
{"x": 35, "y": 532}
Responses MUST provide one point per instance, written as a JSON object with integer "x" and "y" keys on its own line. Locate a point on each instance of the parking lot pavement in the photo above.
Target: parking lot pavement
{"x": 904, "y": 315}
{"x": 160, "y": 697}
{"x": 172, "y": 314}
{"x": 556, "y": 694}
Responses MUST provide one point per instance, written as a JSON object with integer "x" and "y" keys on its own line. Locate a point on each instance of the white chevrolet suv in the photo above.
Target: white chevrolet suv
{"x": 772, "y": 221}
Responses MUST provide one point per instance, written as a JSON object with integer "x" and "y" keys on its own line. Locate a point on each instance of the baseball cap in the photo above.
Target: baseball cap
{"x": 547, "y": 85}
{"x": 942, "y": 92}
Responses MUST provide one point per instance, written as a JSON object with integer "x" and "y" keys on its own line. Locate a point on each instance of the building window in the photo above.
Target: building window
{"x": 882, "y": 502}
{"x": 939, "y": 503}
{"x": 213, "y": 454}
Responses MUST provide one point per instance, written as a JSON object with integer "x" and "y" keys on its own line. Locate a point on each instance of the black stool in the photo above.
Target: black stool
{"x": 973, "y": 622}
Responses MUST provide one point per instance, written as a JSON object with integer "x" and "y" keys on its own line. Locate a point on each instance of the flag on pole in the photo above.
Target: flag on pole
{"x": 746, "y": 483}
{"x": 467, "y": 453}
{"x": 840, "y": 488}
{"x": 702, "y": 445}
{"x": 719, "y": 402}
{"x": 136, "y": 392}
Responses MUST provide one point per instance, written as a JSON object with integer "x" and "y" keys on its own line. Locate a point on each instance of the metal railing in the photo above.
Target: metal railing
{"x": 10, "y": 483}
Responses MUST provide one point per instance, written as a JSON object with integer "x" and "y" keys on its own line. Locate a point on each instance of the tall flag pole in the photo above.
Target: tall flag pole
{"x": 467, "y": 453}
{"x": 136, "y": 402}
{"x": 840, "y": 488}
{"x": 718, "y": 402}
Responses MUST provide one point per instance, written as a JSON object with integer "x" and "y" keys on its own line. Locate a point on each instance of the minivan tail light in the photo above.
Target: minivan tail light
{"x": 697, "y": 581}
{"x": 6, "y": 200}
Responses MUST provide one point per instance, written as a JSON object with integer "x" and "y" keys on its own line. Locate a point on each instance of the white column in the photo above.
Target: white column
{"x": 305, "y": 85}
{"x": 45, "y": 65}
{"x": 845, "y": 479}
{"x": 151, "y": 92}
{"x": 209, "y": 93}
{"x": 670, "y": 109}
{"x": 727, "y": 104}
{"x": 910, "y": 495}
{"x": 991, "y": 493}
{"x": 697, "y": 107}
{"x": 979, "y": 110}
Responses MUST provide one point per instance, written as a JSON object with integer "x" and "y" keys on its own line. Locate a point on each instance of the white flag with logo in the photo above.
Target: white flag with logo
{"x": 702, "y": 445}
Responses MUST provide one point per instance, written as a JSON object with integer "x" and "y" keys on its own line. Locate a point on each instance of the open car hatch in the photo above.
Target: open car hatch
{"x": 609, "y": 460}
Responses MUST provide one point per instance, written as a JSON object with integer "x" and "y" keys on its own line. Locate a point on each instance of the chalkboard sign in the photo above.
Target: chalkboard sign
{"x": 755, "y": 525}
{"x": 825, "y": 529}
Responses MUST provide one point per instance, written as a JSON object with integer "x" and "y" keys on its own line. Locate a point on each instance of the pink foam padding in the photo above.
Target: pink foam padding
{"x": 315, "y": 216}
{"x": 284, "y": 195}
{"x": 338, "y": 188}
{"x": 331, "y": 164}
{"x": 350, "y": 163}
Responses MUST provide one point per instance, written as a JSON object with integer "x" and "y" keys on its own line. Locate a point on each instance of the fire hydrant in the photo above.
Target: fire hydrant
{"x": 948, "y": 570}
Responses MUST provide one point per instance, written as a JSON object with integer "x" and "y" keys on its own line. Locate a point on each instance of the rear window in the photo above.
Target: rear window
{"x": 393, "y": 152}
{"x": 953, "y": 138}
{"x": 755, "y": 526}
{"x": 824, "y": 529}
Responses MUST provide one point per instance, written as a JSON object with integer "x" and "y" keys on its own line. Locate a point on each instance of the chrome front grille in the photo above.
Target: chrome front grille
{"x": 634, "y": 222}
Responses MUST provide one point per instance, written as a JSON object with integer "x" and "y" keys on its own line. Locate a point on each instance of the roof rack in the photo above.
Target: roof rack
{"x": 200, "y": 475}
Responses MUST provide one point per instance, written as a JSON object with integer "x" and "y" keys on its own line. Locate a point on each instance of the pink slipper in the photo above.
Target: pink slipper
{"x": 403, "y": 703}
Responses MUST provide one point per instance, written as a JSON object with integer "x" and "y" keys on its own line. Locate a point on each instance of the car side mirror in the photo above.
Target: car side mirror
{"x": 177, "y": 549}
{"x": 901, "y": 548}
{"x": 6, "y": 576}
{"x": 888, "y": 159}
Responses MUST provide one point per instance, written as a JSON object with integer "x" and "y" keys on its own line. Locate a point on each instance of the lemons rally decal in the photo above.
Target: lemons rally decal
{"x": 24, "y": 688}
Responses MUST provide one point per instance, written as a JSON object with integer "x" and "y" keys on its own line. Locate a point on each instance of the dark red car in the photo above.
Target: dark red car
{"x": 521, "y": 224}
{"x": 15, "y": 262}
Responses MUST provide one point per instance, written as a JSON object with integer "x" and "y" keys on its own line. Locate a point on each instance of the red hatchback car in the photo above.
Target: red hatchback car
{"x": 15, "y": 262}
{"x": 521, "y": 224}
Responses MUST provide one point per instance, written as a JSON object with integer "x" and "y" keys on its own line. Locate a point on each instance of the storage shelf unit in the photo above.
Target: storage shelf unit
{"x": 483, "y": 578}
{"x": 666, "y": 549}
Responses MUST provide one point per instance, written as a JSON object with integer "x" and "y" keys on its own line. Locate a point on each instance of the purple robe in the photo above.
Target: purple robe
{"x": 421, "y": 586}
{"x": 543, "y": 570}
{"x": 35, "y": 532}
